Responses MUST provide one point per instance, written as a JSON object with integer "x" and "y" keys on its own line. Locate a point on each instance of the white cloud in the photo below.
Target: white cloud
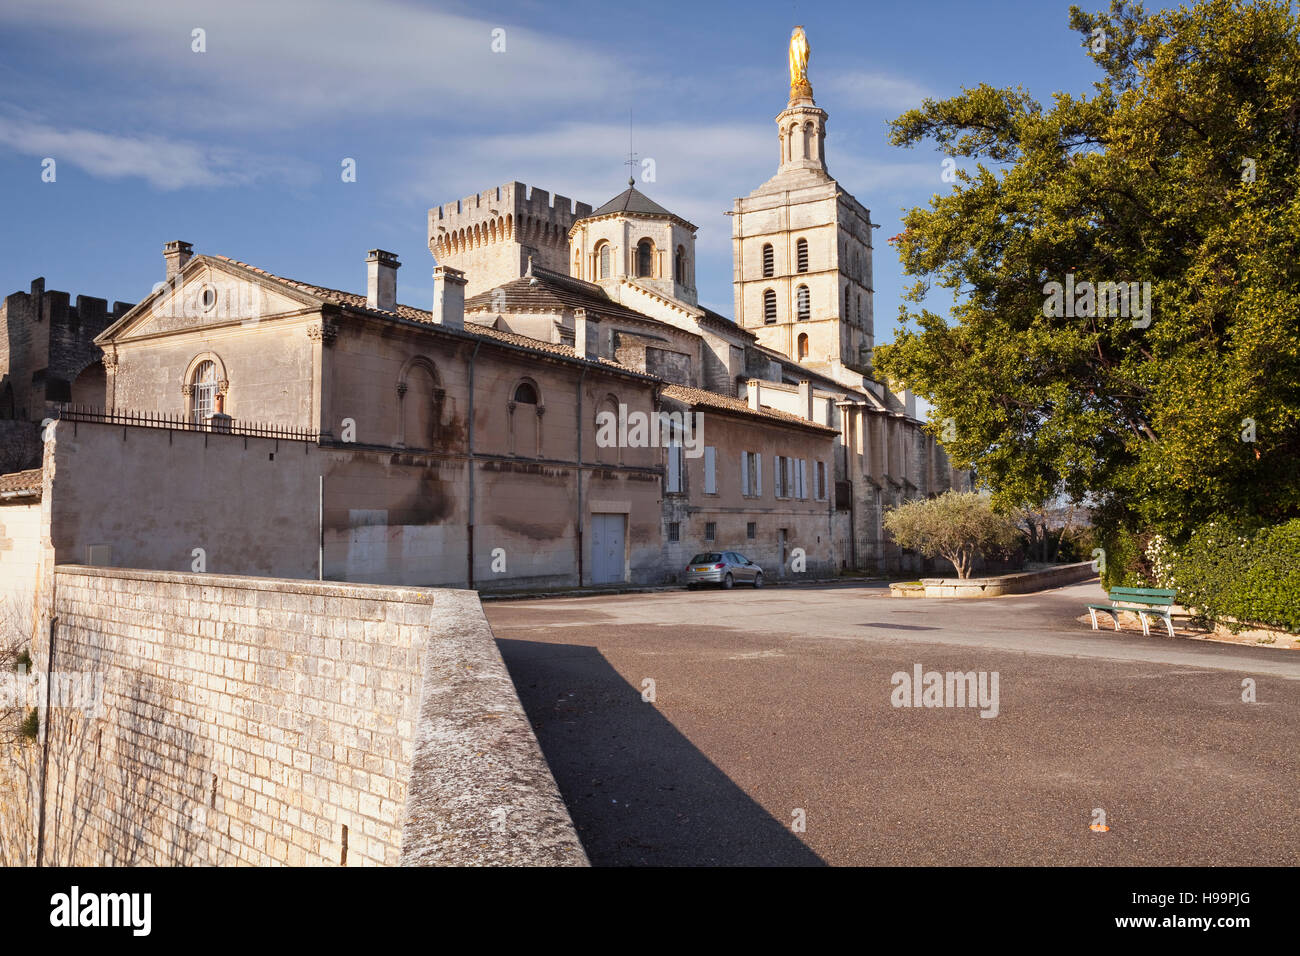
{"x": 875, "y": 92}
{"x": 292, "y": 63}
{"x": 699, "y": 169}
{"x": 165, "y": 163}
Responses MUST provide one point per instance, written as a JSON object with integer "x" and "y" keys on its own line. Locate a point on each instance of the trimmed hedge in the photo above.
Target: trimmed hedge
{"x": 1239, "y": 577}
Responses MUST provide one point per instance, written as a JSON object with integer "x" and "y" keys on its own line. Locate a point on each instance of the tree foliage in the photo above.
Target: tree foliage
{"x": 956, "y": 525}
{"x": 1180, "y": 169}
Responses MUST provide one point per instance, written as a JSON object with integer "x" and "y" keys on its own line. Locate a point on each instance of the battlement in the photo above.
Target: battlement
{"x": 511, "y": 199}
{"x": 53, "y": 306}
{"x": 491, "y": 235}
{"x": 46, "y": 343}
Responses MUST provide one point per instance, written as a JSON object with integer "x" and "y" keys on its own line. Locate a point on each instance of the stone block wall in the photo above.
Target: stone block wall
{"x": 256, "y": 721}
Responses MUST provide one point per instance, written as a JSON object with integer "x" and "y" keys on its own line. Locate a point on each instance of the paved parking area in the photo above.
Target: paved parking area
{"x": 773, "y": 706}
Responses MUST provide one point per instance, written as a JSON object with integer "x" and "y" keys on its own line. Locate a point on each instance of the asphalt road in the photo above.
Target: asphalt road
{"x": 771, "y": 702}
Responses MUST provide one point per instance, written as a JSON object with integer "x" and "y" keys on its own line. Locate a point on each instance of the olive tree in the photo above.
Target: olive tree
{"x": 956, "y": 525}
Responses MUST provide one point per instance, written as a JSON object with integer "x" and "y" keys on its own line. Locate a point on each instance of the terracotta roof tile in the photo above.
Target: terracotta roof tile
{"x": 353, "y": 300}
{"x": 698, "y": 396}
{"x": 22, "y": 481}
{"x": 547, "y": 291}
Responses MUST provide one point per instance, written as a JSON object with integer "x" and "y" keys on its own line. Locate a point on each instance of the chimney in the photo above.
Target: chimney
{"x": 806, "y": 400}
{"x": 752, "y": 394}
{"x": 449, "y": 297}
{"x": 381, "y": 280}
{"x": 175, "y": 254}
{"x": 586, "y": 334}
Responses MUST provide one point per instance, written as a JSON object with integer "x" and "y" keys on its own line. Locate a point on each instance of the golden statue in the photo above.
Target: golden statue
{"x": 800, "y": 88}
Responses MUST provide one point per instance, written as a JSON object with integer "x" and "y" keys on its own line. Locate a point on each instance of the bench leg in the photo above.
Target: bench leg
{"x": 1169, "y": 624}
{"x": 1093, "y": 612}
{"x": 1146, "y": 628}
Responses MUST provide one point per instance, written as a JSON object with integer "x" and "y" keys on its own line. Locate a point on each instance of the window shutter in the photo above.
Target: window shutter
{"x": 710, "y": 470}
{"x": 674, "y": 467}
{"x": 803, "y": 478}
{"x": 758, "y": 473}
{"x": 744, "y": 472}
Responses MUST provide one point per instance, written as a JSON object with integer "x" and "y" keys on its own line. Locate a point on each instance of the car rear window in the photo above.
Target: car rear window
{"x": 709, "y": 557}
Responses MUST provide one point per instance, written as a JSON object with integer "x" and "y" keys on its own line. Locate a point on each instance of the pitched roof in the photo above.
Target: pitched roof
{"x": 547, "y": 291}
{"x": 22, "y": 484}
{"x": 630, "y": 200}
{"x": 353, "y": 300}
{"x": 700, "y": 397}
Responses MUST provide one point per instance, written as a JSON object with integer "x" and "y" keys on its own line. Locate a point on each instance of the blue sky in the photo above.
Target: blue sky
{"x": 238, "y": 149}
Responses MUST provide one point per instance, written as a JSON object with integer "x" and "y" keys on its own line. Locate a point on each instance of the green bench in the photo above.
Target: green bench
{"x": 1140, "y": 601}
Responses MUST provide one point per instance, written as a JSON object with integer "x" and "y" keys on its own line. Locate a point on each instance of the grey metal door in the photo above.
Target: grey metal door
{"x": 607, "y": 548}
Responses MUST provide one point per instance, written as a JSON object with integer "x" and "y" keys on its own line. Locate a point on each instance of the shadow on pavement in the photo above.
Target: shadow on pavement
{"x": 639, "y": 791}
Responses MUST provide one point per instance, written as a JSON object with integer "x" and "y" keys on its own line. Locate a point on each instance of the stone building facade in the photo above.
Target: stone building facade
{"x": 463, "y": 442}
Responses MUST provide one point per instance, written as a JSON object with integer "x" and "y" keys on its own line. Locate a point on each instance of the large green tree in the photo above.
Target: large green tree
{"x": 1180, "y": 169}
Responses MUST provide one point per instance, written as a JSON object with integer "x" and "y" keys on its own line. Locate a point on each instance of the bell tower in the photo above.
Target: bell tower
{"x": 801, "y": 247}
{"x": 801, "y": 126}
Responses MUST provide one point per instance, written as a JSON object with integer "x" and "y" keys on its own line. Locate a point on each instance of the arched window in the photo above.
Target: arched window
{"x": 526, "y": 420}
{"x": 803, "y": 307}
{"x": 769, "y": 306}
{"x": 645, "y": 252}
{"x": 602, "y": 257}
{"x": 801, "y": 255}
{"x": 848, "y": 304}
{"x": 607, "y": 447}
{"x": 419, "y": 398}
{"x": 679, "y": 265}
{"x": 803, "y": 346}
{"x": 203, "y": 399}
{"x": 769, "y": 261}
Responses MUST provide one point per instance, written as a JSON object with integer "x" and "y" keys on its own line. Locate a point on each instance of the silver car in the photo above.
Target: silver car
{"x": 726, "y": 568}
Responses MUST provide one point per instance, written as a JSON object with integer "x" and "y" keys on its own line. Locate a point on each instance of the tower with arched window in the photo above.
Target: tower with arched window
{"x": 633, "y": 238}
{"x": 801, "y": 247}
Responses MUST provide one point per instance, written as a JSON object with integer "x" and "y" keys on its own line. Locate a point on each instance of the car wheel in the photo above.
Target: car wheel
{"x": 727, "y": 582}
{"x": 758, "y": 580}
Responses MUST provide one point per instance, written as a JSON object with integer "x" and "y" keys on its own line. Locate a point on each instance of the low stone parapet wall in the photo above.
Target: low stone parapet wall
{"x": 230, "y": 720}
{"x": 1021, "y": 582}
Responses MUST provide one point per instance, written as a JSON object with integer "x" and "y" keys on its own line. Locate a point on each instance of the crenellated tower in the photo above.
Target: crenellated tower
{"x": 490, "y": 236}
